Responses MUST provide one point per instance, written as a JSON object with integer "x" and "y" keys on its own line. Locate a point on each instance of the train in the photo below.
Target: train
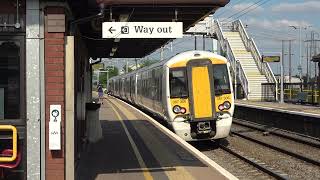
{"x": 191, "y": 91}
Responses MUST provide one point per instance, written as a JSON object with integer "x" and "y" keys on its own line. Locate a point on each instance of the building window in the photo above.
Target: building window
{"x": 11, "y": 73}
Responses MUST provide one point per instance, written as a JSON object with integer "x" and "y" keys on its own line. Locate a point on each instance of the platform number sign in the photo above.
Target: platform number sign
{"x": 55, "y": 127}
{"x": 270, "y": 58}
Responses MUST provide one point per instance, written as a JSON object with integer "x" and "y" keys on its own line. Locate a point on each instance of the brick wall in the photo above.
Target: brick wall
{"x": 55, "y": 94}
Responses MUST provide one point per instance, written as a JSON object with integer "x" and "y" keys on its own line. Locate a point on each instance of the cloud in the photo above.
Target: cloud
{"x": 307, "y": 6}
{"x": 278, "y": 23}
{"x": 247, "y": 6}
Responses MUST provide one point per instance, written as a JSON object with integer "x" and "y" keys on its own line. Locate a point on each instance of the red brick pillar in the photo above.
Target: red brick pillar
{"x": 55, "y": 89}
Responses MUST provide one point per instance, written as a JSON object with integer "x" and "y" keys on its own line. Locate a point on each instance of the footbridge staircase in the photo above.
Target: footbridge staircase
{"x": 244, "y": 57}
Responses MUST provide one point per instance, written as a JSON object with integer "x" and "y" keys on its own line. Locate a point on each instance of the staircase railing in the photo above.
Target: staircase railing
{"x": 250, "y": 45}
{"x": 236, "y": 66}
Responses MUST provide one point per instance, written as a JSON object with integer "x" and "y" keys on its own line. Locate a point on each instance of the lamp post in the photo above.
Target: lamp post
{"x": 300, "y": 50}
{"x": 300, "y": 62}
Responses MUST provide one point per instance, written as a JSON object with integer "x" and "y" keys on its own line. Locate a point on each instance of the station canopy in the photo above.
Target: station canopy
{"x": 187, "y": 11}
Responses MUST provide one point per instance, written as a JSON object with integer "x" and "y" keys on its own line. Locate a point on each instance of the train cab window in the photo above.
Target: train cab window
{"x": 178, "y": 83}
{"x": 11, "y": 73}
{"x": 221, "y": 79}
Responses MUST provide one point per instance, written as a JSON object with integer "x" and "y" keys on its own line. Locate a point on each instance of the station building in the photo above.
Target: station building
{"x": 45, "y": 47}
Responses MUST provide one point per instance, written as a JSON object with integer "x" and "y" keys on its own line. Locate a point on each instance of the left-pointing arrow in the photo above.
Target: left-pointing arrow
{"x": 111, "y": 30}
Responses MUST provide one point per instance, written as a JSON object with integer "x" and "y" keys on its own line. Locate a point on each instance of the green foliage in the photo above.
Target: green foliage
{"x": 147, "y": 62}
{"x": 103, "y": 76}
{"x": 125, "y": 67}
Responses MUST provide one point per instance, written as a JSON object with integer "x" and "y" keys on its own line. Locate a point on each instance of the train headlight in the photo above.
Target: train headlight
{"x": 221, "y": 107}
{"x": 183, "y": 110}
{"x": 176, "y": 109}
{"x": 227, "y": 105}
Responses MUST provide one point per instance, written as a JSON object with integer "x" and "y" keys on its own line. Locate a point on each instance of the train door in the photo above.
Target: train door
{"x": 12, "y": 107}
{"x": 201, "y": 89}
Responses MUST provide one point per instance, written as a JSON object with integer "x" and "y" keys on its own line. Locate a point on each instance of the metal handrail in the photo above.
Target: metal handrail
{"x": 226, "y": 47}
{"x": 264, "y": 68}
{"x": 243, "y": 80}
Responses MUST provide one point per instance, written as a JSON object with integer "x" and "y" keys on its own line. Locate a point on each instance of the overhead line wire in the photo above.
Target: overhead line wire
{"x": 227, "y": 8}
{"x": 242, "y": 10}
{"x": 249, "y": 10}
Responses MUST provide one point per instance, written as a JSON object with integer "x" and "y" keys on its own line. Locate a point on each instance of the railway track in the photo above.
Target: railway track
{"x": 282, "y": 150}
{"x": 300, "y": 138}
{"x": 256, "y": 163}
{"x": 277, "y": 148}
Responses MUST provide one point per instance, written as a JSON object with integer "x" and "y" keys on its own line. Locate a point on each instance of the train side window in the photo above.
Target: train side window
{"x": 178, "y": 83}
{"x": 12, "y": 75}
{"x": 221, "y": 79}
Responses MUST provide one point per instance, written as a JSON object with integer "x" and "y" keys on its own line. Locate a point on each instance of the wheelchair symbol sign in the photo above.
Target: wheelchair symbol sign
{"x": 55, "y": 113}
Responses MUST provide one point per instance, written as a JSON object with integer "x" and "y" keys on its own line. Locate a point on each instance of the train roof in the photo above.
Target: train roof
{"x": 181, "y": 56}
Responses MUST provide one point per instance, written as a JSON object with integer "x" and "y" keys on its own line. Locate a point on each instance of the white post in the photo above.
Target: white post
{"x": 282, "y": 75}
{"x": 300, "y": 58}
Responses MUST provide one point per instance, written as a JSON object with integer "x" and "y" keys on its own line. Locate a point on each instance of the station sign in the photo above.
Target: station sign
{"x": 271, "y": 58}
{"x": 55, "y": 127}
{"x": 142, "y": 30}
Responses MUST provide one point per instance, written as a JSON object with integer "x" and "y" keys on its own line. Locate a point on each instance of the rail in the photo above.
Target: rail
{"x": 236, "y": 66}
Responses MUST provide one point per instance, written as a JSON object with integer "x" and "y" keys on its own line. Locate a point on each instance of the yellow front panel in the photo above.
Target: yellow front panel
{"x": 201, "y": 92}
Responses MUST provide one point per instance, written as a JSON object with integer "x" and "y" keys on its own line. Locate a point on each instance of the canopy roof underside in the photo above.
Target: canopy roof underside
{"x": 187, "y": 11}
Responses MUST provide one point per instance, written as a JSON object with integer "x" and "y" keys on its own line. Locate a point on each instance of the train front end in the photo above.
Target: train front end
{"x": 200, "y": 103}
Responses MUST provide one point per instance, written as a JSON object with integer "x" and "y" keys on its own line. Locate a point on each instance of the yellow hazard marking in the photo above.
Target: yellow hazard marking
{"x": 180, "y": 173}
{"x": 142, "y": 164}
{"x": 14, "y": 143}
{"x": 183, "y": 62}
{"x": 201, "y": 92}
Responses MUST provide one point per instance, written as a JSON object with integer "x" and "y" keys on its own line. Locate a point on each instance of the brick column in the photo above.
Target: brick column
{"x": 55, "y": 94}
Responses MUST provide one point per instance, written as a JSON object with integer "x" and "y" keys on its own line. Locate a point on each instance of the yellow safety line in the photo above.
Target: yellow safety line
{"x": 180, "y": 172}
{"x": 142, "y": 164}
{"x": 14, "y": 143}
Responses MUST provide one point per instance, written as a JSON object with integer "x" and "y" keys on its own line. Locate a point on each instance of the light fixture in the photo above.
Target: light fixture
{"x": 117, "y": 40}
{"x": 114, "y": 49}
{"x": 111, "y": 54}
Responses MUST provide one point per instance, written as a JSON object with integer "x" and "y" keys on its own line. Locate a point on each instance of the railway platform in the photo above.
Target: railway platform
{"x": 134, "y": 146}
{"x": 300, "y": 119}
{"x": 298, "y": 109}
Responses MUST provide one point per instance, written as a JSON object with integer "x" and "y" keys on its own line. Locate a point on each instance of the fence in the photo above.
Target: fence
{"x": 293, "y": 92}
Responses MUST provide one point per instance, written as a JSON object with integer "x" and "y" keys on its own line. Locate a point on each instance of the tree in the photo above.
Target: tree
{"x": 113, "y": 71}
{"x": 125, "y": 68}
{"x": 147, "y": 62}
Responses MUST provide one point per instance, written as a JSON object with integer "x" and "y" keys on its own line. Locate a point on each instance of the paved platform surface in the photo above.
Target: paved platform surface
{"x": 293, "y": 108}
{"x": 134, "y": 148}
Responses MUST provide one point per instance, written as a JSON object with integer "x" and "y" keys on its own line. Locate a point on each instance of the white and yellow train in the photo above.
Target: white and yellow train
{"x": 192, "y": 91}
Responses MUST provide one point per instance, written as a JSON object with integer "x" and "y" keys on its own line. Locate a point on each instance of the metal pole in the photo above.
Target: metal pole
{"x": 98, "y": 76}
{"x": 319, "y": 83}
{"x": 135, "y": 59}
{"x": 307, "y": 55}
{"x": 282, "y": 75}
{"x": 161, "y": 53}
{"x": 203, "y": 43}
{"x": 235, "y": 82}
{"x": 195, "y": 42}
{"x": 290, "y": 66}
{"x": 127, "y": 66}
{"x": 107, "y": 80}
{"x": 300, "y": 58}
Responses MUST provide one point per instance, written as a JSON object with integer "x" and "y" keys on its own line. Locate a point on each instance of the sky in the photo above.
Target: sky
{"x": 267, "y": 23}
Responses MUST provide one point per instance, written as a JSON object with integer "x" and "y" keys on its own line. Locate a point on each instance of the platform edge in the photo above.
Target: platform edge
{"x": 193, "y": 150}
